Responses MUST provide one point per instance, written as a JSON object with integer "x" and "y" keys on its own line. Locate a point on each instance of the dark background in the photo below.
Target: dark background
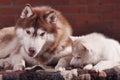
{"x": 85, "y": 16}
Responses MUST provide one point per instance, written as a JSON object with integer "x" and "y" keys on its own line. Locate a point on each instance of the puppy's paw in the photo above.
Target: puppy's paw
{"x": 59, "y": 68}
{"x": 18, "y": 67}
{"x": 4, "y": 64}
{"x": 97, "y": 68}
{"x": 88, "y": 67}
{"x": 69, "y": 74}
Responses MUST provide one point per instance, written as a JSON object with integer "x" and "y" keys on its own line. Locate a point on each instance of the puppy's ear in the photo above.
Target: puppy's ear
{"x": 72, "y": 38}
{"x": 51, "y": 17}
{"x": 26, "y": 12}
{"x": 84, "y": 47}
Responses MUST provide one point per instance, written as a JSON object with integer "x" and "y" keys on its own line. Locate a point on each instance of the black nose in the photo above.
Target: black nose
{"x": 32, "y": 50}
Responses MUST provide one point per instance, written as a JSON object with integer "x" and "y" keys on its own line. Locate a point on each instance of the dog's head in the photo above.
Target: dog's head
{"x": 35, "y": 26}
{"x": 80, "y": 51}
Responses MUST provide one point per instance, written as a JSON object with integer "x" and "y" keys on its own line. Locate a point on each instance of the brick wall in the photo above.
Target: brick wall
{"x": 85, "y": 16}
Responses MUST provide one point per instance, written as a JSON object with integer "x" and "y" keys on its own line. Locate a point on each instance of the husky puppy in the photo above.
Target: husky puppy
{"x": 95, "y": 51}
{"x": 40, "y": 37}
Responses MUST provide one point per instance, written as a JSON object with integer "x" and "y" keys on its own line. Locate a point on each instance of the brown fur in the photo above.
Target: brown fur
{"x": 61, "y": 31}
{"x": 40, "y": 14}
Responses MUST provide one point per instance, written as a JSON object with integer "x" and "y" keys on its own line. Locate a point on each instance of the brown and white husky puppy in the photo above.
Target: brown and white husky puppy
{"x": 40, "y": 36}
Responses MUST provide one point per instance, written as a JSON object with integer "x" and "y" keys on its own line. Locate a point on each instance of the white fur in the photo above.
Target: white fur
{"x": 18, "y": 48}
{"x": 68, "y": 74}
{"x": 8, "y": 49}
{"x": 103, "y": 52}
{"x": 24, "y": 39}
{"x": 28, "y": 40}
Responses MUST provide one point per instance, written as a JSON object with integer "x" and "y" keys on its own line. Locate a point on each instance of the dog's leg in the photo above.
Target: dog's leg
{"x": 18, "y": 62}
{"x": 102, "y": 65}
{"x": 39, "y": 67}
{"x": 5, "y": 63}
{"x": 63, "y": 62}
{"x": 9, "y": 49}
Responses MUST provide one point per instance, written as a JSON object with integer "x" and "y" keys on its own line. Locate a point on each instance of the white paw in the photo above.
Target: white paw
{"x": 18, "y": 67}
{"x": 98, "y": 68}
{"x": 69, "y": 74}
{"x": 59, "y": 68}
{"x": 4, "y": 64}
{"x": 88, "y": 67}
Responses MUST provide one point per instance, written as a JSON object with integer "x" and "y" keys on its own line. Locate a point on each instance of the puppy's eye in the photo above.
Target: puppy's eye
{"x": 42, "y": 34}
{"x": 78, "y": 57}
{"x": 28, "y": 32}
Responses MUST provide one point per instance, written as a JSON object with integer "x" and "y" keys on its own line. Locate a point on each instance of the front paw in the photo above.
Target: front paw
{"x": 68, "y": 74}
{"x": 60, "y": 69}
{"x": 18, "y": 67}
{"x": 97, "y": 68}
{"x": 88, "y": 67}
{"x": 4, "y": 64}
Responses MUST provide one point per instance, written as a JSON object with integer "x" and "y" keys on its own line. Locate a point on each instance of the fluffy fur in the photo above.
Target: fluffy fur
{"x": 95, "y": 51}
{"x": 40, "y": 36}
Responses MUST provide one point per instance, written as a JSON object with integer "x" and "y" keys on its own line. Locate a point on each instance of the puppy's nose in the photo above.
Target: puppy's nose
{"x": 32, "y": 50}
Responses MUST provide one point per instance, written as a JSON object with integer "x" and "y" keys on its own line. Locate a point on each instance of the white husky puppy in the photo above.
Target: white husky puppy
{"x": 95, "y": 51}
{"x": 41, "y": 36}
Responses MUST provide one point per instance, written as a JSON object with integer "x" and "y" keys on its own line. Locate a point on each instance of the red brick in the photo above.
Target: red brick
{"x": 6, "y": 19}
{"x": 110, "y": 16}
{"x": 56, "y": 2}
{"x": 85, "y": 17}
{"x": 114, "y": 31}
{"x": 117, "y": 8}
{"x": 100, "y": 9}
{"x": 78, "y": 2}
{"x": 102, "y": 27}
{"x": 96, "y": 25}
{"x": 109, "y": 1}
{"x": 5, "y": 2}
{"x": 8, "y": 24}
{"x": 117, "y": 24}
{"x": 83, "y": 2}
{"x": 10, "y": 11}
{"x": 92, "y": 2}
{"x": 73, "y": 9}
{"x": 23, "y": 2}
